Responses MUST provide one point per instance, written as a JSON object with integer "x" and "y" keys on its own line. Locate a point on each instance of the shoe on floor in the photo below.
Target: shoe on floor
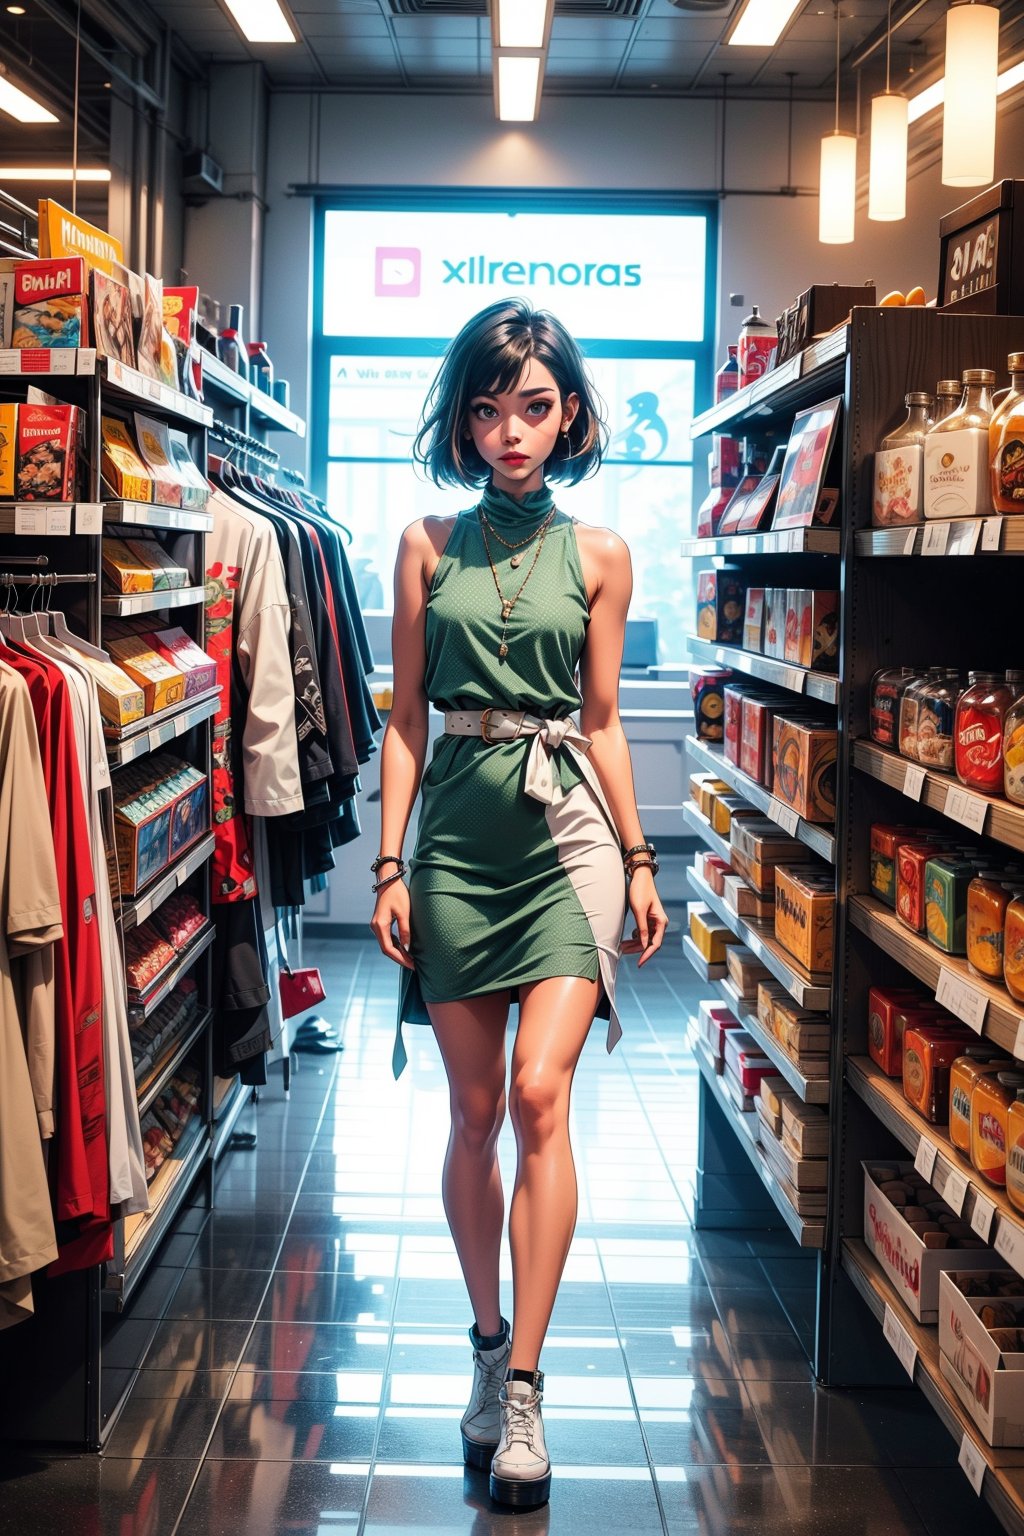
{"x": 521, "y": 1469}
{"x": 481, "y": 1422}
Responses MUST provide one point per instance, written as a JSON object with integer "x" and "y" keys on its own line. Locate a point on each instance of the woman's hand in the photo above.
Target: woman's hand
{"x": 649, "y": 913}
{"x": 392, "y": 910}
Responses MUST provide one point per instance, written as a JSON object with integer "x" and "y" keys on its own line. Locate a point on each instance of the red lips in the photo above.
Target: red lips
{"x": 513, "y": 458}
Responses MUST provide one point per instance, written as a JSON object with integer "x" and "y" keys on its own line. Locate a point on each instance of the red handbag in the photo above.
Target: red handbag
{"x": 300, "y": 990}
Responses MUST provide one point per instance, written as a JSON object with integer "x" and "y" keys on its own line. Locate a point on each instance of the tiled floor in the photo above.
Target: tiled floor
{"x": 310, "y": 1364}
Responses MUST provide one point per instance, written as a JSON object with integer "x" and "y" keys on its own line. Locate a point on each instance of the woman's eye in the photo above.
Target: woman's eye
{"x": 483, "y": 411}
{"x": 540, "y": 407}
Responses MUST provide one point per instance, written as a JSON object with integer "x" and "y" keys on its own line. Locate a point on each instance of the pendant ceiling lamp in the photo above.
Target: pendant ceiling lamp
{"x": 837, "y": 186}
{"x": 969, "y": 121}
{"x": 887, "y": 177}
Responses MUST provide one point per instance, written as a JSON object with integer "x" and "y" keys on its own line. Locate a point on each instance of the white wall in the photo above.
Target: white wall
{"x": 769, "y": 246}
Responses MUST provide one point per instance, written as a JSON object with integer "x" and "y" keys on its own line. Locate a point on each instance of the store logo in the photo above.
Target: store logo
{"x": 483, "y": 271}
{"x": 397, "y": 272}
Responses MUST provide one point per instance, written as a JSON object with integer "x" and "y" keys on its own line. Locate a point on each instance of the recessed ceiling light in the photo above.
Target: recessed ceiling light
{"x": 261, "y": 21}
{"x": 761, "y": 23}
{"x": 15, "y": 10}
{"x": 523, "y": 23}
{"x": 518, "y": 81}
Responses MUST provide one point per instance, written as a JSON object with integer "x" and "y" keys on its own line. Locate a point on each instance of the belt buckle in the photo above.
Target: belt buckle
{"x": 485, "y": 715}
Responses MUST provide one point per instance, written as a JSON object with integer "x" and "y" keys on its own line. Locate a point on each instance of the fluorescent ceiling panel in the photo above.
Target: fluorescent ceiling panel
{"x": 19, "y": 105}
{"x": 261, "y": 21}
{"x": 49, "y": 173}
{"x": 518, "y": 87}
{"x": 522, "y": 23}
{"x": 761, "y": 23}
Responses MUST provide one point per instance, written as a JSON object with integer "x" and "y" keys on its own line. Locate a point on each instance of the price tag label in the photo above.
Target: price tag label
{"x": 913, "y": 782}
{"x": 153, "y": 389}
{"x": 973, "y": 1463}
{"x": 924, "y": 1160}
{"x": 1010, "y": 1244}
{"x": 86, "y": 361}
{"x": 10, "y": 361}
{"x": 910, "y": 541}
{"x": 966, "y": 808}
{"x": 1018, "y": 1044}
{"x": 900, "y": 1341}
{"x": 783, "y": 815}
{"x": 62, "y": 360}
{"x": 961, "y": 998}
{"x": 115, "y": 371}
{"x": 955, "y": 1191}
{"x": 982, "y": 1216}
{"x": 936, "y": 537}
{"x": 30, "y": 520}
{"x": 88, "y": 517}
{"x": 964, "y": 540}
{"x": 794, "y": 678}
{"x": 58, "y": 521}
{"x": 992, "y": 533}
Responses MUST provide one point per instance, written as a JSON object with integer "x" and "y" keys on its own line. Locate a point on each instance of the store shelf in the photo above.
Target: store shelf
{"x": 1002, "y": 1016}
{"x": 816, "y": 685}
{"x": 704, "y": 968}
{"x": 226, "y": 1118}
{"x": 145, "y": 514}
{"x": 140, "y": 390}
{"x": 126, "y": 606}
{"x": 50, "y": 519}
{"x": 1002, "y": 820}
{"x": 990, "y": 535}
{"x": 157, "y": 730}
{"x": 808, "y": 1233}
{"x": 783, "y": 541}
{"x": 807, "y": 989}
{"x": 819, "y": 838}
{"x": 703, "y": 828}
{"x": 167, "y": 1193}
{"x": 184, "y": 963}
{"x": 266, "y": 409}
{"x": 1003, "y": 1486}
{"x": 884, "y": 1098}
{"x": 134, "y": 912}
{"x": 224, "y": 383}
{"x": 812, "y": 375}
{"x": 813, "y": 1090}
{"x": 170, "y": 1060}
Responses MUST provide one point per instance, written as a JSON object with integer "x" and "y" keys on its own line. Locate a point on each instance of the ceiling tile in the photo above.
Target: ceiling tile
{"x": 690, "y": 28}
{"x": 429, "y": 28}
{"x": 342, "y": 25}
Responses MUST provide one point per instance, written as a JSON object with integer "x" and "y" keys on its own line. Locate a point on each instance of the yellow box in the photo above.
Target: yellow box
{"x": 123, "y": 570}
{"x": 8, "y": 447}
{"x": 128, "y": 477}
{"x": 724, "y": 808}
{"x": 120, "y": 699}
{"x": 711, "y": 937}
{"x": 709, "y": 788}
{"x": 769, "y": 995}
{"x": 162, "y": 684}
{"x": 801, "y": 1032}
{"x": 805, "y": 905}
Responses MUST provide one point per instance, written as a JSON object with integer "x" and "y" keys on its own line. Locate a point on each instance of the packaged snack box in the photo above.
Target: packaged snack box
{"x": 160, "y": 681}
{"x": 946, "y": 881}
{"x": 805, "y": 1128}
{"x": 757, "y": 714}
{"x": 711, "y": 937}
{"x": 8, "y": 448}
{"x": 911, "y": 860}
{"x": 929, "y": 1051}
{"x": 195, "y": 492}
{"x": 884, "y": 841}
{"x": 981, "y": 1349}
{"x": 709, "y": 791}
{"x": 125, "y": 572}
{"x": 753, "y": 620}
{"x": 733, "y": 701}
{"x": 155, "y": 453}
{"x": 727, "y": 808}
{"x": 775, "y": 599}
{"x": 122, "y": 468}
{"x": 746, "y": 1061}
{"x": 804, "y": 767}
{"x": 48, "y": 437}
{"x": 50, "y": 305}
{"x": 720, "y": 606}
{"x": 812, "y": 628}
{"x": 191, "y": 660}
{"x": 801, "y": 1032}
{"x": 167, "y": 575}
{"x": 757, "y": 846}
{"x": 120, "y": 699}
{"x": 742, "y": 899}
{"x": 112, "y": 318}
{"x": 745, "y": 969}
{"x": 805, "y": 903}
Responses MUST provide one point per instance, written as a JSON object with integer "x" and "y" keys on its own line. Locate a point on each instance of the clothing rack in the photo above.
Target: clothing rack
{"x": 295, "y": 476}
{"x": 43, "y": 578}
{"x": 26, "y": 559}
{"x": 250, "y": 447}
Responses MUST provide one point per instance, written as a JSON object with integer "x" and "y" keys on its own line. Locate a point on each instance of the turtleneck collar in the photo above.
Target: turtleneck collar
{"x": 526, "y": 512}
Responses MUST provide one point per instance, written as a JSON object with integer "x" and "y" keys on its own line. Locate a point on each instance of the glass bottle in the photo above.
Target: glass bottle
{"x": 728, "y": 376}
{"x": 936, "y": 717}
{"x": 1006, "y": 442}
{"x": 896, "y": 495}
{"x": 757, "y": 342}
{"x": 956, "y": 459}
{"x": 1013, "y": 750}
{"x": 909, "y": 707}
{"x": 980, "y": 717}
{"x": 948, "y": 394}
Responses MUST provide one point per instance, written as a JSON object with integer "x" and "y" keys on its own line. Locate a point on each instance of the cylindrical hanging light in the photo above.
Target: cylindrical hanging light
{"x": 887, "y": 182}
{"x": 837, "y": 191}
{"x": 887, "y": 176}
{"x": 837, "y": 182}
{"x": 969, "y": 119}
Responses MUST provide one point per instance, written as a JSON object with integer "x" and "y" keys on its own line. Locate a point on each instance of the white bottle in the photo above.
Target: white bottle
{"x": 896, "y": 498}
{"x": 956, "y": 467}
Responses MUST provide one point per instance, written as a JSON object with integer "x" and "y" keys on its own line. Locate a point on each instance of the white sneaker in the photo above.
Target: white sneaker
{"x": 521, "y": 1469}
{"x": 481, "y": 1422}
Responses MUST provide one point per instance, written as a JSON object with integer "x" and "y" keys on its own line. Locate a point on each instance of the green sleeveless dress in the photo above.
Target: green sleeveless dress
{"x": 506, "y": 889}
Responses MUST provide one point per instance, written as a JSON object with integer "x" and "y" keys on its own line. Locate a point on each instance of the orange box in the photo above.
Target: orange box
{"x": 805, "y": 907}
{"x": 804, "y": 767}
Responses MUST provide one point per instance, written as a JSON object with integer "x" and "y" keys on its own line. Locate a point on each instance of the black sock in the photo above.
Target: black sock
{"x": 490, "y": 1340}
{"x": 518, "y": 1375}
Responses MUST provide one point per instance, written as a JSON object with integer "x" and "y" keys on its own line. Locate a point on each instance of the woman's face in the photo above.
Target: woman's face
{"x": 515, "y": 433}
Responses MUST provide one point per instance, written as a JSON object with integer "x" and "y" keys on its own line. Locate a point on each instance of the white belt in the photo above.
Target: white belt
{"x": 497, "y": 725}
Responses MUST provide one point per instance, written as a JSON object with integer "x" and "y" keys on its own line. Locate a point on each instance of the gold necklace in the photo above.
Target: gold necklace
{"x": 517, "y": 560}
{"x": 508, "y": 603}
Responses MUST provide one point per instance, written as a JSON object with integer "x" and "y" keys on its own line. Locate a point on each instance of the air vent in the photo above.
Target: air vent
{"x": 628, "y": 10}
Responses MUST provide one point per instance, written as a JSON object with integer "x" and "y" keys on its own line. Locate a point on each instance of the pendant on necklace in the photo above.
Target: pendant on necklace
{"x": 506, "y": 610}
{"x": 516, "y": 561}
{"x": 502, "y": 650}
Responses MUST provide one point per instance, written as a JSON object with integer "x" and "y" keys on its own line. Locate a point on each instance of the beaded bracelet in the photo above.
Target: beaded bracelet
{"x": 651, "y": 864}
{"x": 640, "y": 848}
{"x": 385, "y": 858}
{"x": 389, "y": 881}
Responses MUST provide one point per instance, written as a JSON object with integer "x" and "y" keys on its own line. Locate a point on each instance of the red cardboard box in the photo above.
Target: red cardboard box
{"x": 199, "y": 672}
{"x": 758, "y": 712}
{"x": 911, "y": 858}
{"x": 812, "y": 628}
{"x": 734, "y": 695}
{"x": 48, "y": 438}
{"x": 51, "y": 306}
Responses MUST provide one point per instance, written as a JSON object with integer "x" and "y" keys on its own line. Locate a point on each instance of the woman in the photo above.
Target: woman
{"x": 519, "y": 881}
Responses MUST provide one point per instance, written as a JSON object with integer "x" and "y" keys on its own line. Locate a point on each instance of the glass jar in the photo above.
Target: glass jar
{"x": 1013, "y": 947}
{"x": 975, "y": 1062}
{"x": 887, "y": 688}
{"x": 1015, "y": 1152}
{"x": 1006, "y": 442}
{"x": 987, "y": 900}
{"x": 936, "y": 716}
{"x": 957, "y": 482}
{"x": 980, "y": 714}
{"x": 896, "y": 495}
{"x": 990, "y": 1109}
{"x": 1013, "y": 752}
{"x": 909, "y": 705}
{"x": 948, "y": 394}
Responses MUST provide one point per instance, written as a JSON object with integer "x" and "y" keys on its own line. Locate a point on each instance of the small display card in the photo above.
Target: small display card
{"x": 900, "y": 1341}
{"x": 966, "y": 808}
{"x": 982, "y": 1216}
{"x": 1010, "y": 1244}
{"x": 924, "y": 1160}
{"x": 913, "y": 783}
{"x": 936, "y": 536}
{"x": 955, "y": 1191}
{"x": 784, "y": 816}
{"x": 973, "y": 1463}
{"x": 964, "y": 540}
{"x": 992, "y": 533}
{"x": 961, "y": 998}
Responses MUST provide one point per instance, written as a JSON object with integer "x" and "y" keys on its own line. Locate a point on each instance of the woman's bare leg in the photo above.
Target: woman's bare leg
{"x": 471, "y": 1037}
{"x": 555, "y": 1016}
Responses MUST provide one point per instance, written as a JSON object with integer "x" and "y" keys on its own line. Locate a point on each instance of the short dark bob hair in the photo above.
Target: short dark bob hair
{"x": 488, "y": 356}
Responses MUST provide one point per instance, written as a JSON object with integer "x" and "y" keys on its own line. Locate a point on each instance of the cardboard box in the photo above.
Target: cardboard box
{"x": 709, "y": 792}
{"x": 769, "y": 995}
{"x": 155, "y": 452}
{"x": 121, "y": 700}
{"x": 162, "y": 807}
{"x": 725, "y": 809}
{"x": 811, "y": 635}
{"x": 161, "y": 682}
{"x": 8, "y": 448}
{"x": 773, "y": 640}
{"x": 714, "y": 1020}
{"x": 51, "y": 308}
{"x": 720, "y": 606}
{"x": 124, "y": 471}
{"x": 6, "y": 301}
{"x": 197, "y": 668}
{"x": 805, "y": 906}
{"x": 757, "y": 846}
{"x": 911, "y": 860}
{"x": 945, "y": 902}
{"x": 150, "y": 553}
{"x": 756, "y": 715}
{"x": 805, "y": 1128}
{"x": 804, "y": 767}
{"x": 801, "y": 1172}
{"x": 912, "y": 1268}
{"x": 745, "y": 969}
{"x": 799, "y": 1031}
{"x": 742, "y": 899}
{"x": 125, "y": 572}
{"x": 707, "y": 689}
{"x": 884, "y": 841}
{"x": 746, "y": 1061}
{"x": 48, "y": 442}
{"x": 753, "y": 620}
{"x": 988, "y": 1380}
{"x": 733, "y": 701}
{"x": 715, "y": 870}
{"x": 711, "y": 937}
